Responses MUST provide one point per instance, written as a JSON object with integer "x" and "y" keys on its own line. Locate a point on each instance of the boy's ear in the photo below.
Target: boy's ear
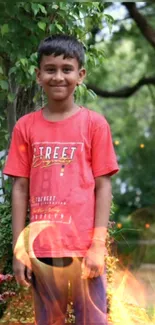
{"x": 38, "y": 76}
{"x": 82, "y": 75}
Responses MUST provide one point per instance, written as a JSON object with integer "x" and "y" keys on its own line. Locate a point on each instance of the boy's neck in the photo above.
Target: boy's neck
{"x": 64, "y": 108}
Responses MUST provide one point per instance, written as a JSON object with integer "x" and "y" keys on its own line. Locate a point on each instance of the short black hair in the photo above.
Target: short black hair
{"x": 61, "y": 44}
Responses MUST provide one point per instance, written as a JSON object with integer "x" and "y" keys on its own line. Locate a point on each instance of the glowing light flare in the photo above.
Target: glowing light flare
{"x": 22, "y": 148}
{"x": 116, "y": 142}
{"x": 119, "y": 225}
{"x": 128, "y": 301}
{"x": 24, "y": 246}
{"x": 147, "y": 225}
{"x": 142, "y": 145}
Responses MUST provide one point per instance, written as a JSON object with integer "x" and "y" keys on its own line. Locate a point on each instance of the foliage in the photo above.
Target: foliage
{"x": 4, "y": 279}
{"x": 6, "y": 291}
{"x": 28, "y": 23}
{"x": 128, "y": 59}
{"x": 5, "y": 237}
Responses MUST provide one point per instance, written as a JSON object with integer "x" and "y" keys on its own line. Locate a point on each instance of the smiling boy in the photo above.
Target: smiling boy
{"x": 62, "y": 159}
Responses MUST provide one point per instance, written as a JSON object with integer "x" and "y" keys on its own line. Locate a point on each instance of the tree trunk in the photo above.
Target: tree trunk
{"x": 11, "y": 106}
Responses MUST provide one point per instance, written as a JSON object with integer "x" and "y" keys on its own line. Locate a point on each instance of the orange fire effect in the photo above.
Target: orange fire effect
{"x": 128, "y": 301}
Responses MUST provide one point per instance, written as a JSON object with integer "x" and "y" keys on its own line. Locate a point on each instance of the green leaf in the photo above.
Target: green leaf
{"x": 2, "y": 161}
{"x": 37, "y": 96}
{"x": 27, "y": 7}
{"x": 109, "y": 20}
{"x": 42, "y": 25}
{"x": 42, "y": 8}
{"x": 12, "y": 70}
{"x": 55, "y": 7}
{"x": 4, "y": 29}
{"x": 32, "y": 69}
{"x": 33, "y": 56}
{"x": 59, "y": 27}
{"x": 6, "y": 137}
{"x": 4, "y": 84}
{"x": 24, "y": 61}
{"x": 62, "y": 5}
{"x": 81, "y": 91}
{"x": 11, "y": 97}
{"x": 35, "y": 8}
{"x": 84, "y": 86}
{"x": 1, "y": 70}
{"x": 52, "y": 28}
{"x": 92, "y": 94}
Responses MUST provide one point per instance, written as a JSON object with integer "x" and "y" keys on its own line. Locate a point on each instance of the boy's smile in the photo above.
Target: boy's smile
{"x": 59, "y": 77}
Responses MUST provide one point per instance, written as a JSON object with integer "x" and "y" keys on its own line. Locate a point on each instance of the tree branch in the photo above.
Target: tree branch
{"x": 124, "y": 92}
{"x": 146, "y": 29}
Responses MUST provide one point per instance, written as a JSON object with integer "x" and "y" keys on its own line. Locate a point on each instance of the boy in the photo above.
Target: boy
{"x": 61, "y": 158}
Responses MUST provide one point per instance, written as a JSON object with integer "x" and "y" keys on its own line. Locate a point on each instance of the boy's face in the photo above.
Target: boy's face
{"x": 59, "y": 77}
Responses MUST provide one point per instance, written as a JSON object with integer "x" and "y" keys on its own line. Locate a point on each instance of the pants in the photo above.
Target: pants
{"x": 50, "y": 279}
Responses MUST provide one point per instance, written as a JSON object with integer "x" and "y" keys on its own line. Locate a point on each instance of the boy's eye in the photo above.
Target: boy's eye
{"x": 67, "y": 70}
{"x": 54, "y": 70}
{"x": 50, "y": 70}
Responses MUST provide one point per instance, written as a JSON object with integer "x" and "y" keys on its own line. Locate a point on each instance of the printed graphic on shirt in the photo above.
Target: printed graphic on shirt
{"x": 50, "y": 209}
{"x": 46, "y": 154}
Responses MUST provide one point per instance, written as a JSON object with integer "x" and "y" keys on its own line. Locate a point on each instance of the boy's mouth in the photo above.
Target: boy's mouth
{"x": 58, "y": 86}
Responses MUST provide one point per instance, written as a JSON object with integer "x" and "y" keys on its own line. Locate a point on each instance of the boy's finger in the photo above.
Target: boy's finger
{"x": 101, "y": 270}
{"x": 29, "y": 274}
{"x": 97, "y": 273}
{"x": 85, "y": 272}
{"x": 83, "y": 264}
{"x": 92, "y": 274}
{"x": 22, "y": 281}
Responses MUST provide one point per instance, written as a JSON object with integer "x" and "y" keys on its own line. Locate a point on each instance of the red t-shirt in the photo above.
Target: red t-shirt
{"x": 61, "y": 159}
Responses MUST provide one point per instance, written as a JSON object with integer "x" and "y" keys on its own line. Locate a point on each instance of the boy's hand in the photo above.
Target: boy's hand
{"x": 93, "y": 263}
{"x": 22, "y": 274}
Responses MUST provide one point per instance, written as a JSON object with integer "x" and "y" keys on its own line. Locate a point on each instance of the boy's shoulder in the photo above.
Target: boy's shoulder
{"x": 27, "y": 119}
{"x": 96, "y": 119}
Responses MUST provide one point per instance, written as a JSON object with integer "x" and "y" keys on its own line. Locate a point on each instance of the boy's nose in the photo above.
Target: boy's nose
{"x": 58, "y": 76}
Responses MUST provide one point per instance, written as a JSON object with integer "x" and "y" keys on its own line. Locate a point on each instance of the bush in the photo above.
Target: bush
{"x": 6, "y": 291}
{"x": 5, "y": 238}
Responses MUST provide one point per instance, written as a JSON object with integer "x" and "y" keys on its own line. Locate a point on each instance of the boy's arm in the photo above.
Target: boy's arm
{"x": 93, "y": 263}
{"x": 20, "y": 196}
{"x": 103, "y": 198}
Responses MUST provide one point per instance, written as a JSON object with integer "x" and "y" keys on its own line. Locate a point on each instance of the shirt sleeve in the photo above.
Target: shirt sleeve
{"x": 18, "y": 162}
{"x": 104, "y": 160}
